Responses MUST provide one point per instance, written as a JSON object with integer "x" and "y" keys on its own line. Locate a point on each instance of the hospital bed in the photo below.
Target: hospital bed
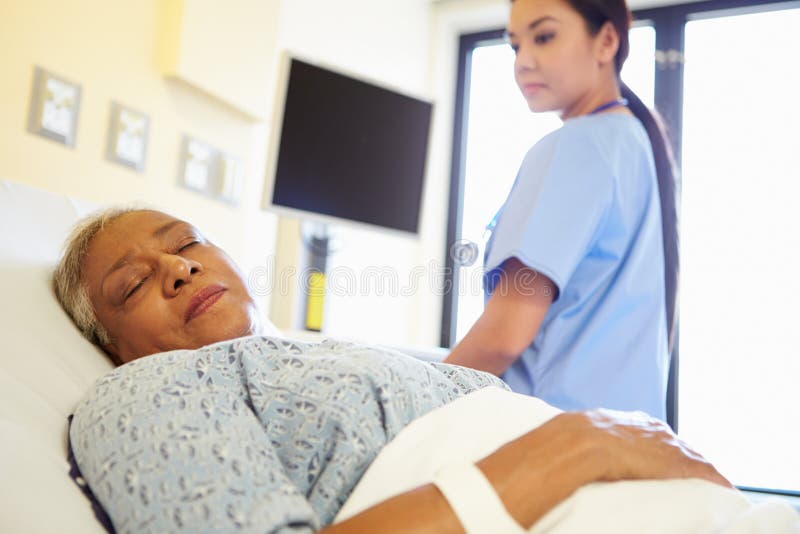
{"x": 45, "y": 368}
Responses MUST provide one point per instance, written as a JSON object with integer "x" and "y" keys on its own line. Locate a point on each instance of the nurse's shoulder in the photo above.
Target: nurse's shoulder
{"x": 584, "y": 139}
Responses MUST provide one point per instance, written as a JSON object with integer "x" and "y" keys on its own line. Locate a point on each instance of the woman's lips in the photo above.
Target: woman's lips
{"x": 203, "y": 300}
{"x": 532, "y": 88}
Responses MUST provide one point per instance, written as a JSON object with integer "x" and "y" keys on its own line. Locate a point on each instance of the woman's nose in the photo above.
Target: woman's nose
{"x": 524, "y": 61}
{"x": 179, "y": 271}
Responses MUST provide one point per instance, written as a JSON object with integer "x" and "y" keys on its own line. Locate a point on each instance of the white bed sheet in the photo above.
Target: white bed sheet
{"x": 448, "y": 436}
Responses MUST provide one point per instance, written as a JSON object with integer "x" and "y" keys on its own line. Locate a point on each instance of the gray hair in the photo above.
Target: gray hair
{"x": 70, "y": 291}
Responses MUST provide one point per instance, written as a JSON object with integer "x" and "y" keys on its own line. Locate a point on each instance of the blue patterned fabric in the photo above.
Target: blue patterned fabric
{"x": 255, "y": 434}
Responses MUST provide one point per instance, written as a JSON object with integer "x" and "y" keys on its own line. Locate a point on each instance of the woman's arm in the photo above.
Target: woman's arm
{"x": 535, "y": 472}
{"x": 510, "y": 321}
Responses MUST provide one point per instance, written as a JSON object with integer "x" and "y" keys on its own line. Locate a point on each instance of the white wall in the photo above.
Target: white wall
{"x": 387, "y": 41}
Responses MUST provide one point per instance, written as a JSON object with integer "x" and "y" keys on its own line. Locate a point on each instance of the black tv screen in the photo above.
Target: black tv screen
{"x": 350, "y": 149}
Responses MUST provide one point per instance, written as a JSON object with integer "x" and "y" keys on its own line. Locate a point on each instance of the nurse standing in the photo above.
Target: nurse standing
{"x": 579, "y": 304}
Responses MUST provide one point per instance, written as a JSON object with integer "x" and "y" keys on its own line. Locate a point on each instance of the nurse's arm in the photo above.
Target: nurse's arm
{"x": 510, "y": 321}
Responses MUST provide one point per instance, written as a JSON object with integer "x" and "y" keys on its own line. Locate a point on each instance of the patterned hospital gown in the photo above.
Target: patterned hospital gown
{"x": 255, "y": 434}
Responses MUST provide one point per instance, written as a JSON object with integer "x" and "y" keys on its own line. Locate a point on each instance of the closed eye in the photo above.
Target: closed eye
{"x": 544, "y": 38}
{"x": 187, "y": 245}
{"x": 135, "y": 288}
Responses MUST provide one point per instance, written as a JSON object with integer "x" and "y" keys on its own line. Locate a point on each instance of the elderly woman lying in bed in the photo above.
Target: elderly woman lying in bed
{"x": 210, "y": 426}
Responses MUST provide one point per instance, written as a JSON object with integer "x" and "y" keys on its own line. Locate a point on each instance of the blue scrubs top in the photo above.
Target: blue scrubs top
{"x": 584, "y": 211}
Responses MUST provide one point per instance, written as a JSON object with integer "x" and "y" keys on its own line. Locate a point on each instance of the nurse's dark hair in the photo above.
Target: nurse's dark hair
{"x": 596, "y": 13}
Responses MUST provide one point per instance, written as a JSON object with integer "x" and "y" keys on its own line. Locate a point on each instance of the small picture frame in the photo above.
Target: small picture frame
{"x": 127, "y": 136}
{"x": 197, "y": 165}
{"x": 229, "y": 178}
{"x": 55, "y": 104}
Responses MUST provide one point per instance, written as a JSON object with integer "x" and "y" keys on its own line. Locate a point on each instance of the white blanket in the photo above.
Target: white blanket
{"x": 474, "y": 426}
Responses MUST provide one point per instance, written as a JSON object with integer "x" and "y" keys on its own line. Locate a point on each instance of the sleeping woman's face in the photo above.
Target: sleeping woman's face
{"x": 157, "y": 284}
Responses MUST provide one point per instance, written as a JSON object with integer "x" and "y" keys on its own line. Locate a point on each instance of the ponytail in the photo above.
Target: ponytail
{"x": 666, "y": 173}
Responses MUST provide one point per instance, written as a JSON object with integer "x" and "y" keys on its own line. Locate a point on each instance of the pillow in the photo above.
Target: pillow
{"x": 36, "y": 492}
{"x": 45, "y": 366}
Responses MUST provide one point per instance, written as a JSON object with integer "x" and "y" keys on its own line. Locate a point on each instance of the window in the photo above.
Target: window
{"x": 740, "y": 252}
{"x": 729, "y": 110}
{"x": 501, "y": 130}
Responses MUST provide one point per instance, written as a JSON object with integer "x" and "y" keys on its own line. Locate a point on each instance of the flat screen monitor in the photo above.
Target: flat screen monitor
{"x": 345, "y": 149}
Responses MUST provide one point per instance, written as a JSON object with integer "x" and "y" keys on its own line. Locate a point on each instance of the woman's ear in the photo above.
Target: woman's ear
{"x": 606, "y": 43}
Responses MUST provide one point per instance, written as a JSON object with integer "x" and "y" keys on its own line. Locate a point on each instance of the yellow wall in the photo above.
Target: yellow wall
{"x": 109, "y": 47}
{"x": 226, "y": 50}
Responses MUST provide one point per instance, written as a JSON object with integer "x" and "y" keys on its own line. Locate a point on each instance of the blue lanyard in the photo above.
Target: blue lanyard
{"x": 490, "y": 227}
{"x": 607, "y": 105}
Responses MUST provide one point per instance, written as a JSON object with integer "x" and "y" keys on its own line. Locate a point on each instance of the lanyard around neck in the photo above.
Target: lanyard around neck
{"x": 609, "y": 105}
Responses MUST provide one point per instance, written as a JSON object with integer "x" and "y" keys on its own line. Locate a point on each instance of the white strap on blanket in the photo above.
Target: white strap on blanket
{"x": 474, "y": 501}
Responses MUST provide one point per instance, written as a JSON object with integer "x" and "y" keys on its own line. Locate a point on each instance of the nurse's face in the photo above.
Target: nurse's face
{"x": 558, "y": 62}
{"x": 157, "y": 284}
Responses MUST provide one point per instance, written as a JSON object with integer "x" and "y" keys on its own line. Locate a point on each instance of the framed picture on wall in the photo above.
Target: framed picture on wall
{"x": 127, "y": 136}
{"x": 197, "y": 165}
{"x": 229, "y": 178}
{"x": 208, "y": 170}
{"x": 55, "y": 103}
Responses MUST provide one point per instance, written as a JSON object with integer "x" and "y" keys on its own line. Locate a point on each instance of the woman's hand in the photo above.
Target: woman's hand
{"x": 538, "y": 470}
{"x": 637, "y": 446}
{"x": 535, "y": 472}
